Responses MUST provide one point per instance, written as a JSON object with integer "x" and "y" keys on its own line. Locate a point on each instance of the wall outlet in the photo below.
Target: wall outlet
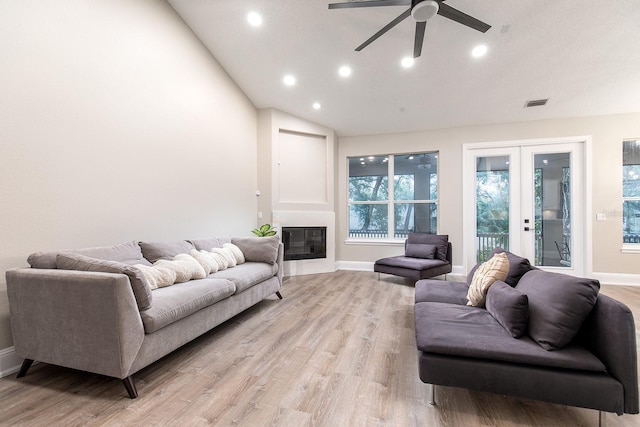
{"x": 601, "y": 217}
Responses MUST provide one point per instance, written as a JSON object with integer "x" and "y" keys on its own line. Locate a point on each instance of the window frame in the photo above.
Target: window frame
{"x": 628, "y": 247}
{"x": 390, "y": 202}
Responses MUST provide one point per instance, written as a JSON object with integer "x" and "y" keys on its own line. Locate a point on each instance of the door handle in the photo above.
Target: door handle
{"x": 527, "y": 229}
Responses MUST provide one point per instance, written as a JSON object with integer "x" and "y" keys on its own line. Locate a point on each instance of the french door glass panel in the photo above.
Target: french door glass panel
{"x": 492, "y": 204}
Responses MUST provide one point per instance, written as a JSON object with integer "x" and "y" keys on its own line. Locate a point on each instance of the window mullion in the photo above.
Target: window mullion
{"x": 390, "y": 210}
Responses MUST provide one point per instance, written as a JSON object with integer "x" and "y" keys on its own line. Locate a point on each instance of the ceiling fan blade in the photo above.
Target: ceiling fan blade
{"x": 462, "y": 18}
{"x": 386, "y": 28}
{"x": 372, "y": 3}
{"x": 417, "y": 46}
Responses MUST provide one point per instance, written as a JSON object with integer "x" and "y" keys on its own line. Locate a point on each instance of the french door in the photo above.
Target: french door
{"x": 527, "y": 198}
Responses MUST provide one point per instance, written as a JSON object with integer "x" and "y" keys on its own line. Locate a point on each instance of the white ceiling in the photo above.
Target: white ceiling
{"x": 582, "y": 54}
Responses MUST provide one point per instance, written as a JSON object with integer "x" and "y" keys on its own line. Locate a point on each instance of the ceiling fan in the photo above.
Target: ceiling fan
{"x": 421, "y": 11}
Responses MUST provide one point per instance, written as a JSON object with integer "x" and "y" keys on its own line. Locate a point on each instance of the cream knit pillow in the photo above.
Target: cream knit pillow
{"x": 220, "y": 259}
{"x": 158, "y": 277}
{"x": 236, "y": 251}
{"x": 496, "y": 268}
{"x": 227, "y": 254}
{"x": 185, "y": 266}
{"x": 204, "y": 260}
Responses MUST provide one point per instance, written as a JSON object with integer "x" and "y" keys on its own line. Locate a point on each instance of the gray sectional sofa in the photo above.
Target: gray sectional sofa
{"x": 541, "y": 335}
{"x": 90, "y": 310}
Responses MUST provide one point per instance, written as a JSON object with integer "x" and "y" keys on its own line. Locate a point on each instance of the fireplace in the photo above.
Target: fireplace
{"x": 304, "y": 243}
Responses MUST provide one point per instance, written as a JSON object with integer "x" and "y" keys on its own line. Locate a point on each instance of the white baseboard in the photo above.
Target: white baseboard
{"x": 618, "y": 279}
{"x": 9, "y": 362}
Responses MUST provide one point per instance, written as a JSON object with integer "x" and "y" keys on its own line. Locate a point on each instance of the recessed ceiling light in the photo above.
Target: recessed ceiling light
{"x": 289, "y": 80}
{"x": 254, "y": 19}
{"x": 478, "y": 51}
{"x": 407, "y": 62}
{"x": 316, "y": 106}
{"x": 345, "y": 71}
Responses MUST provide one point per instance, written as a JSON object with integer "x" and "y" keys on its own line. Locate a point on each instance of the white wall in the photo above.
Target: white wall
{"x": 116, "y": 124}
{"x": 607, "y": 132}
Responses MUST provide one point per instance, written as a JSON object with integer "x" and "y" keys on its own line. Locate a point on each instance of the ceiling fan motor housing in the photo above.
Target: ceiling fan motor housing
{"x": 423, "y": 10}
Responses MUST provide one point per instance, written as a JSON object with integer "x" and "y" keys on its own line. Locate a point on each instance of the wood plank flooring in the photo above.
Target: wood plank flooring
{"x": 338, "y": 350}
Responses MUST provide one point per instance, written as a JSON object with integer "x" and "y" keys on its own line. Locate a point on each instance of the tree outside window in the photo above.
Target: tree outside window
{"x": 378, "y": 209}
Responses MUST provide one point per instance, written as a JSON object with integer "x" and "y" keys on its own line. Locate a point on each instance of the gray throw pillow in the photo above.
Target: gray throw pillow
{"x": 128, "y": 253}
{"x": 558, "y": 304}
{"x": 509, "y": 307}
{"x": 258, "y": 249}
{"x": 518, "y": 266}
{"x": 139, "y": 284}
{"x": 440, "y": 241}
{"x": 153, "y": 251}
{"x": 416, "y": 250}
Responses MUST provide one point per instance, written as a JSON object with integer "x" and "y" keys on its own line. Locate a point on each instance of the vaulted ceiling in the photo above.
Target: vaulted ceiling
{"x": 583, "y": 55}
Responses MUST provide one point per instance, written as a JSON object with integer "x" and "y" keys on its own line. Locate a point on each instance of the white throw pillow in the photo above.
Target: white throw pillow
{"x": 220, "y": 259}
{"x": 204, "y": 260}
{"x": 158, "y": 277}
{"x": 185, "y": 266}
{"x": 227, "y": 254}
{"x": 236, "y": 251}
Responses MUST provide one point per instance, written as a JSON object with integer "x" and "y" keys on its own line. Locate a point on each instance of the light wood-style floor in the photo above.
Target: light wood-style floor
{"x": 339, "y": 350}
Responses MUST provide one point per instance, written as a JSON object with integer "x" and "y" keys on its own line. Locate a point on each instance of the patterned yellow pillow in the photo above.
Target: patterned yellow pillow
{"x": 496, "y": 268}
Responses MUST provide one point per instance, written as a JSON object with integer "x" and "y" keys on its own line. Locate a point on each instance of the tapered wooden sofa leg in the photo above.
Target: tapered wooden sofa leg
{"x": 279, "y": 295}
{"x": 26, "y": 364}
{"x": 130, "y": 386}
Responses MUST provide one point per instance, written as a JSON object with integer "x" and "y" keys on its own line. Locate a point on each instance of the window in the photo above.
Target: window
{"x": 631, "y": 191}
{"x": 392, "y": 196}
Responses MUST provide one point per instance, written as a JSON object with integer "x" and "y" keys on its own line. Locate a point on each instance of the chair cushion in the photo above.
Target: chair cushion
{"x": 440, "y": 241}
{"x": 464, "y": 331}
{"x": 410, "y": 263}
{"x": 418, "y": 250}
{"x": 558, "y": 304}
{"x": 509, "y": 307}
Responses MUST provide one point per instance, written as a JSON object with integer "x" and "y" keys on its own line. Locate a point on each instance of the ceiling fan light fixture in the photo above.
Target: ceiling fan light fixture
{"x": 424, "y": 10}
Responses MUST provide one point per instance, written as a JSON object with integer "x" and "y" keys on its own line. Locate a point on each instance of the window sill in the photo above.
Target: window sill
{"x": 375, "y": 242}
{"x": 630, "y": 248}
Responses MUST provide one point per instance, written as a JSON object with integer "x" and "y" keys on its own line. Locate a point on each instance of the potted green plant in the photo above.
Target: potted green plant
{"x": 265, "y": 230}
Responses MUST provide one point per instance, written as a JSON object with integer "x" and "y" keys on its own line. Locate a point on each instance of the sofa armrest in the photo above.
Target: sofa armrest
{"x": 82, "y": 320}
{"x": 280, "y": 262}
{"x": 609, "y": 332}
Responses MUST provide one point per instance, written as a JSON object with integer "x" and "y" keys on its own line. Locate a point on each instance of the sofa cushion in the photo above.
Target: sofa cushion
{"x": 441, "y": 291}
{"x": 157, "y": 276}
{"x": 518, "y": 266}
{"x": 509, "y": 307}
{"x": 207, "y": 244}
{"x": 464, "y": 331}
{"x": 153, "y": 251}
{"x": 440, "y": 241}
{"x": 139, "y": 283}
{"x": 416, "y": 250}
{"x": 127, "y": 253}
{"x": 248, "y": 274}
{"x": 258, "y": 249}
{"x": 181, "y": 300}
{"x": 558, "y": 304}
{"x": 410, "y": 263}
{"x": 496, "y": 268}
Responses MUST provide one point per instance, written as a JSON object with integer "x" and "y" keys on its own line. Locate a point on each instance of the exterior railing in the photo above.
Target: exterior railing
{"x": 378, "y": 234}
{"x": 631, "y": 238}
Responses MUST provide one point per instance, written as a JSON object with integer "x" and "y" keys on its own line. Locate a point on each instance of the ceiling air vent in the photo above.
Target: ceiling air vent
{"x": 536, "y": 103}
